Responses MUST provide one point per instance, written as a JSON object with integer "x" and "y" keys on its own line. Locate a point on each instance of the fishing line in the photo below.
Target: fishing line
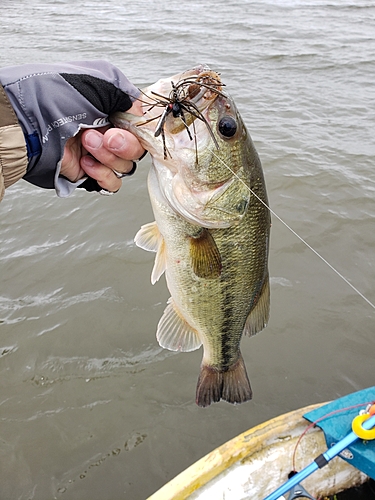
{"x": 327, "y": 415}
{"x": 297, "y": 235}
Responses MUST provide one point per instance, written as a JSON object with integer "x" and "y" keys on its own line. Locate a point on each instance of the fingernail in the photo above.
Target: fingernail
{"x": 116, "y": 141}
{"x": 94, "y": 140}
{"x": 88, "y": 161}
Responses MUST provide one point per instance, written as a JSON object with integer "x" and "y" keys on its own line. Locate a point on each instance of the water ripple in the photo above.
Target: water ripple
{"x": 58, "y": 369}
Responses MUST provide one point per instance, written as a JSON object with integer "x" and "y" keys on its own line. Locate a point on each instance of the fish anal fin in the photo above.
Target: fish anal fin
{"x": 174, "y": 333}
{"x": 205, "y": 256}
{"x": 149, "y": 238}
{"x": 258, "y": 317}
{"x": 231, "y": 385}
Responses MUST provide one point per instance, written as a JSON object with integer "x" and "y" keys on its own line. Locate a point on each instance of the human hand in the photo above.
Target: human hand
{"x": 97, "y": 153}
{"x": 70, "y": 103}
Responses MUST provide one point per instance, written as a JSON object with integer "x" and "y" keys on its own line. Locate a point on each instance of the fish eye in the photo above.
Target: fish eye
{"x": 227, "y": 126}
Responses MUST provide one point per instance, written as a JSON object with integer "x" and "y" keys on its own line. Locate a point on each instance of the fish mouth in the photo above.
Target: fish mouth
{"x": 171, "y": 105}
{"x": 178, "y": 101}
{"x": 193, "y": 85}
{"x": 203, "y": 84}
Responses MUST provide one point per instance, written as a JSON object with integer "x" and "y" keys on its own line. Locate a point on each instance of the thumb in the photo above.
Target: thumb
{"x": 123, "y": 144}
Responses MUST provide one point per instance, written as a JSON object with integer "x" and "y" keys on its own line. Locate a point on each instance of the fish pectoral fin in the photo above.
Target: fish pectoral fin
{"x": 259, "y": 315}
{"x": 174, "y": 333}
{"x": 205, "y": 256}
{"x": 160, "y": 264}
{"x": 149, "y": 238}
{"x": 231, "y": 385}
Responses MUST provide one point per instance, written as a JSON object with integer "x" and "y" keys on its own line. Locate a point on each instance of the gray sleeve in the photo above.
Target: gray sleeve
{"x": 53, "y": 102}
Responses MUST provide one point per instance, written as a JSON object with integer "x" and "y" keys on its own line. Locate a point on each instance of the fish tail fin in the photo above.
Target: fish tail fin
{"x": 236, "y": 383}
{"x": 231, "y": 385}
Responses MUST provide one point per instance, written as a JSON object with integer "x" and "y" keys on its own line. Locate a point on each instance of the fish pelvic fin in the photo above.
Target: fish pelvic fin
{"x": 231, "y": 385}
{"x": 149, "y": 238}
{"x": 205, "y": 256}
{"x": 259, "y": 315}
{"x": 174, "y": 333}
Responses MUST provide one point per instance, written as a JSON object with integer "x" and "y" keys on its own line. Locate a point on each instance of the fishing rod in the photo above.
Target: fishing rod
{"x": 361, "y": 426}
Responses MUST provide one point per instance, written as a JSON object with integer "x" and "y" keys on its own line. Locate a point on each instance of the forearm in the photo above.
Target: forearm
{"x": 13, "y": 154}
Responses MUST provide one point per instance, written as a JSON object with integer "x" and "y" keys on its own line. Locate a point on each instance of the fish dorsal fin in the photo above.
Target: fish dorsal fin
{"x": 149, "y": 238}
{"x": 259, "y": 315}
{"x": 174, "y": 333}
{"x": 205, "y": 256}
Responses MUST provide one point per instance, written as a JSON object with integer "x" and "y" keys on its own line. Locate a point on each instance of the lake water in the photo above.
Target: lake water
{"x": 90, "y": 406}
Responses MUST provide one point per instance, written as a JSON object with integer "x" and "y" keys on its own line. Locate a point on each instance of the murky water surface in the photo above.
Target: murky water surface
{"x": 90, "y": 406}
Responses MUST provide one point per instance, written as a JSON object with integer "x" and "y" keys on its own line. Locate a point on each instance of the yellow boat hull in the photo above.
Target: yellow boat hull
{"x": 258, "y": 461}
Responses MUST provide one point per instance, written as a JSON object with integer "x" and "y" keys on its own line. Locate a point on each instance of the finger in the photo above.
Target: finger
{"x": 102, "y": 174}
{"x": 123, "y": 144}
{"x": 70, "y": 167}
{"x": 136, "y": 109}
{"x": 115, "y": 151}
{"x": 92, "y": 141}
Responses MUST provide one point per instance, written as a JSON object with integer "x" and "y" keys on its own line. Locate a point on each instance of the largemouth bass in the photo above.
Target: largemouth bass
{"x": 211, "y": 229}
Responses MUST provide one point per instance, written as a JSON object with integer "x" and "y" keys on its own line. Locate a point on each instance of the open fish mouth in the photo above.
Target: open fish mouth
{"x": 182, "y": 99}
{"x": 190, "y": 86}
{"x": 206, "y": 85}
{"x": 172, "y": 105}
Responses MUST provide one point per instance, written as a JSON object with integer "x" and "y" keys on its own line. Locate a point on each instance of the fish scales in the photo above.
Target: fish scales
{"x": 211, "y": 234}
